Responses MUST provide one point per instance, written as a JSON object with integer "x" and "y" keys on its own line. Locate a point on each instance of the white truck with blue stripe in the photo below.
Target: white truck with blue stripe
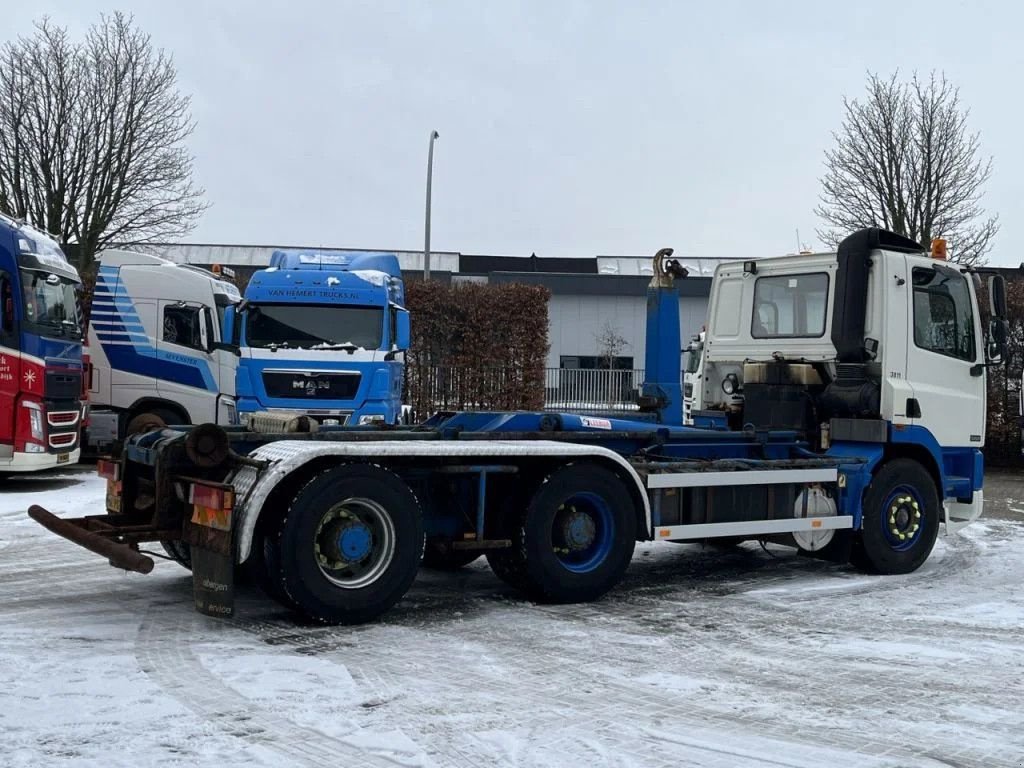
{"x": 156, "y": 345}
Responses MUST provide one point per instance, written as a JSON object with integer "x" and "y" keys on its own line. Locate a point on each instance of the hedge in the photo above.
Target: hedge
{"x": 476, "y": 347}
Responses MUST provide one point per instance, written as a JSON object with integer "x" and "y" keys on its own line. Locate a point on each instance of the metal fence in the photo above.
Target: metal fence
{"x": 589, "y": 389}
{"x": 429, "y": 389}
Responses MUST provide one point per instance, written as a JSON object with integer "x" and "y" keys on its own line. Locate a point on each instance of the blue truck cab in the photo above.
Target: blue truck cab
{"x": 323, "y": 334}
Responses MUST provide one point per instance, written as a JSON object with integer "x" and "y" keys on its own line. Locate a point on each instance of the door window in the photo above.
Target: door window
{"x": 943, "y": 316}
{"x": 182, "y": 326}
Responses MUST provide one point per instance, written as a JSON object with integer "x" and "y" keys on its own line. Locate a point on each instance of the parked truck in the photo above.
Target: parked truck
{"x": 693, "y": 372}
{"x": 860, "y": 435}
{"x": 324, "y": 334}
{"x": 41, "y": 381}
{"x": 157, "y": 347}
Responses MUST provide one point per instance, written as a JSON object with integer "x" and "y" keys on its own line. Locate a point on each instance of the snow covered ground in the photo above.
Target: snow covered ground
{"x": 747, "y": 658}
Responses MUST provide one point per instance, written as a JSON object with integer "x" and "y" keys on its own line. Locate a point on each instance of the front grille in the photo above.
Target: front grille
{"x": 63, "y": 440}
{"x": 63, "y": 385}
{"x": 312, "y": 385}
{"x": 62, "y": 418}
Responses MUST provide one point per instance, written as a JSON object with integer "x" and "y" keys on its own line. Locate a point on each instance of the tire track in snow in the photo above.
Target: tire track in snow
{"x": 164, "y": 653}
{"x": 565, "y": 684}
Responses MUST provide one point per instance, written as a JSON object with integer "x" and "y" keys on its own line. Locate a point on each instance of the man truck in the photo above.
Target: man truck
{"x": 859, "y": 435}
{"x": 41, "y": 381}
{"x": 323, "y": 334}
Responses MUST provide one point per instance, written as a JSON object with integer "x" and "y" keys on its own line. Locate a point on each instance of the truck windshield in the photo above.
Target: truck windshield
{"x": 310, "y": 326}
{"x": 50, "y": 302}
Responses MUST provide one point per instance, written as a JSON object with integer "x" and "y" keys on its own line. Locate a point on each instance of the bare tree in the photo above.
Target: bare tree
{"x": 905, "y": 161}
{"x": 610, "y": 344}
{"x": 92, "y": 138}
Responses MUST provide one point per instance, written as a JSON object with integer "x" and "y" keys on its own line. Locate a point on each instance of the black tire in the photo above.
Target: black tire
{"x": 902, "y": 495}
{"x": 584, "y": 501}
{"x": 148, "y": 419}
{"x": 350, "y": 545}
{"x": 263, "y": 568}
{"x": 180, "y": 552}
{"x": 439, "y": 558}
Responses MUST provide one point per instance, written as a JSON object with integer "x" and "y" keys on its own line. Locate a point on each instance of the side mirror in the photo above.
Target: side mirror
{"x": 997, "y": 296}
{"x": 998, "y": 334}
{"x": 403, "y": 335}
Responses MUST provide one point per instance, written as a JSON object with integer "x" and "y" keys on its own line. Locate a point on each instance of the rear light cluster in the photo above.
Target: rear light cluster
{"x": 211, "y": 505}
{"x": 108, "y": 470}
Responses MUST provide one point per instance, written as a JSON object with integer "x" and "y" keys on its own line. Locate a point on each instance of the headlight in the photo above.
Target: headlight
{"x": 35, "y": 420}
{"x": 371, "y": 418}
{"x": 243, "y": 418}
{"x": 730, "y": 384}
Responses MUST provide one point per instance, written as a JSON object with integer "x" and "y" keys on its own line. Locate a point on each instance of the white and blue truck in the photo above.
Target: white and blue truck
{"x": 323, "y": 334}
{"x": 157, "y": 347}
{"x": 859, "y": 435}
{"x": 172, "y": 343}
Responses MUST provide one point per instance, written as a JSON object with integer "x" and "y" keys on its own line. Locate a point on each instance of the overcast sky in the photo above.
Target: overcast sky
{"x": 567, "y": 128}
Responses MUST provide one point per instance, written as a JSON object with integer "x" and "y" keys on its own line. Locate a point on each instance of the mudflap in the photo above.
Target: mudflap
{"x": 213, "y": 567}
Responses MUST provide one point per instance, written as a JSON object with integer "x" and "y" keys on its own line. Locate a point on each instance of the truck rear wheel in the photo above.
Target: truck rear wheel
{"x": 901, "y": 520}
{"x": 575, "y": 539}
{"x": 350, "y": 545}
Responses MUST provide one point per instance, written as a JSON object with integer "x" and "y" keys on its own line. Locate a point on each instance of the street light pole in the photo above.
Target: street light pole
{"x": 426, "y": 228}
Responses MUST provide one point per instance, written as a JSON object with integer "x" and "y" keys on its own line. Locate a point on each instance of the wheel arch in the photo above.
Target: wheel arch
{"x": 147, "y": 404}
{"x": 914, "y": 452}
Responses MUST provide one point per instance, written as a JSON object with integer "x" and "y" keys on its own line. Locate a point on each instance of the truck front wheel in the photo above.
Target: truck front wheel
{"x": 350, "y": 545}
{"x": 575, "y": 539}
{"x": 901, "y": 520}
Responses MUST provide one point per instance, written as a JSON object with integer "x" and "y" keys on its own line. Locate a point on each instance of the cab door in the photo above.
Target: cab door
{"x": 944, "y": 352}
{"x": 187, "y": 370}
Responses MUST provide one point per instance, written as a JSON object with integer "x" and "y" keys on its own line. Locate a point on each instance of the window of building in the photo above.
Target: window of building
{"x": 943, "y": 317}
{"x": 790, "y": 306}
{"x": 181, "y": 326}
{"x": 596, "y": 362}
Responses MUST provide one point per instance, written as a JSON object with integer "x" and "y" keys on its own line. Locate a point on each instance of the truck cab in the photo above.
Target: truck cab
{"x": 156, "y": 345}
{"x": 41, "y": 407}
{"x": 323, "y": 334}
{"x": 879, "y": 344}
{"x": 693, "y": 372}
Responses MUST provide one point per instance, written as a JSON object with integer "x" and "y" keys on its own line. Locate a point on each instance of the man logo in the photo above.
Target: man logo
{"x": 310, "y": 386}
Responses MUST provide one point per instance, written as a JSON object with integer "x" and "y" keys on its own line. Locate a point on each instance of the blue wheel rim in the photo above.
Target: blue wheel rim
{"x": 903, "y": 518}
{"x": 583, "y": 532}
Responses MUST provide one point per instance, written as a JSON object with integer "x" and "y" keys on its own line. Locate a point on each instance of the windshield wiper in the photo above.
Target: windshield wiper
{"x": 348, "y": 346}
